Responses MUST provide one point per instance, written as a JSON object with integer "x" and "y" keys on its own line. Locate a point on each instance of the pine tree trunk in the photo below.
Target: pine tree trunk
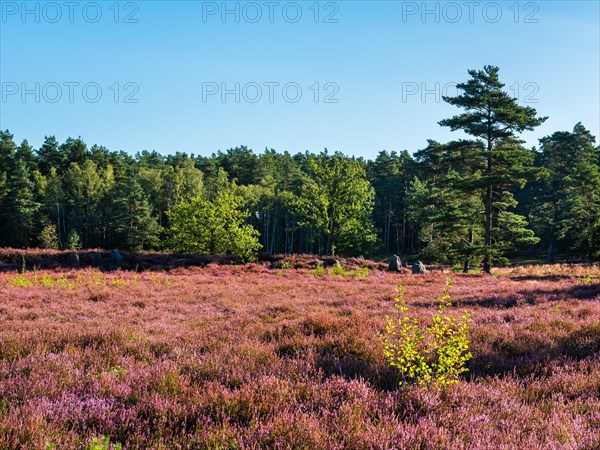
{"x": 387, "y": 233}
{"x": 404, "y": 230}
{"x": 405, "y": 244}
{"x": 273, "y": 233}
{"x": 330, "y": 240}
{"x": 58, "y": 225}
{"x": 467, "y": 260}
{"x": 466, "y": 266}
{"x": 398, "y": 239}
{"x": 488, "y": 213}
{"x": 550, "y": 254}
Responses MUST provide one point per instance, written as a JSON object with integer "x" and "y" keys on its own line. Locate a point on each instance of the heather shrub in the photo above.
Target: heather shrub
{"x": 225, "y": 357}
{"x": 434, "y": 355}
{"x": 319, "y": 325}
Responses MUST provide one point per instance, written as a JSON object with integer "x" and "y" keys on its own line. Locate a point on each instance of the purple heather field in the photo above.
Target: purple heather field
{"x": 268, "y": 355}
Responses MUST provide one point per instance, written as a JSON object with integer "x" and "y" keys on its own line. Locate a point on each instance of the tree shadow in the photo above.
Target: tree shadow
{"x": 578, "y": 292}
{"x": 536, "y": 296}
{"x": 549, "y": 277}
{"x": 535, "y": 360}
{"x": 508, "y": 359}
{"x": 11, "y": 261}
{"x": 526, "y": 297}
{"x": 382, "y": 378}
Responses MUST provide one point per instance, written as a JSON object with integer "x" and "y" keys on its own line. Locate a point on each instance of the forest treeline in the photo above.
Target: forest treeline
{"x": 464, "y": 201}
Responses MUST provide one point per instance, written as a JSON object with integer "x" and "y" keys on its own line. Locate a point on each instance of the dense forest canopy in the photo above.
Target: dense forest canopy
{"x": 461, "y": 202}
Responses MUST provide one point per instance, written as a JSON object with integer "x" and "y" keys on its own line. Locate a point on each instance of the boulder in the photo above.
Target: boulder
{"x": 95, "y": 259}
{"x": 73, "y": 259}
{"x": 330, "y": 262}
{"x": 418, "y": 267}
{"x": 395, "y": 264}
{"x": 116, "y": 258}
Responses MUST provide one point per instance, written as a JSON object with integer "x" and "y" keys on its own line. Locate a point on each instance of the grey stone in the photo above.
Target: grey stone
{"x": 73, "y": 259}
{"x": 116, "y": 258}
{"x": 95, "y": 259}
{"x": 395, "y": 264}
{"x": 330, "y": 262}
{"x": 418, "y": 267}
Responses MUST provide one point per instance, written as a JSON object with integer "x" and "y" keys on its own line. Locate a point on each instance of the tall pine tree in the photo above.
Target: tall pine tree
{"x": 495, "y": 118}
{"x": 135, "y": 226}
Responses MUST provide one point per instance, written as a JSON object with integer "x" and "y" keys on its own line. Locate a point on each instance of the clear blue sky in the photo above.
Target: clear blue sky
{"x": 376, "y": 53}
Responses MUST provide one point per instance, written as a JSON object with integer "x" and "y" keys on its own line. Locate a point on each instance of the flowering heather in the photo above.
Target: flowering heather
{"x": 261, "y": 356}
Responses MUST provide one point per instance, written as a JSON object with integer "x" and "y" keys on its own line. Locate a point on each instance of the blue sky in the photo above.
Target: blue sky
{"x": 374, "y": 58}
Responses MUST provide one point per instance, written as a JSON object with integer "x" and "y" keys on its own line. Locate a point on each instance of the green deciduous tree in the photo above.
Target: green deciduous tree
{"x": 336, "y": 201}
{"x": 213, "y": 226}
{"x": 180, "y": 180}
{"x": 435, "y": 355}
